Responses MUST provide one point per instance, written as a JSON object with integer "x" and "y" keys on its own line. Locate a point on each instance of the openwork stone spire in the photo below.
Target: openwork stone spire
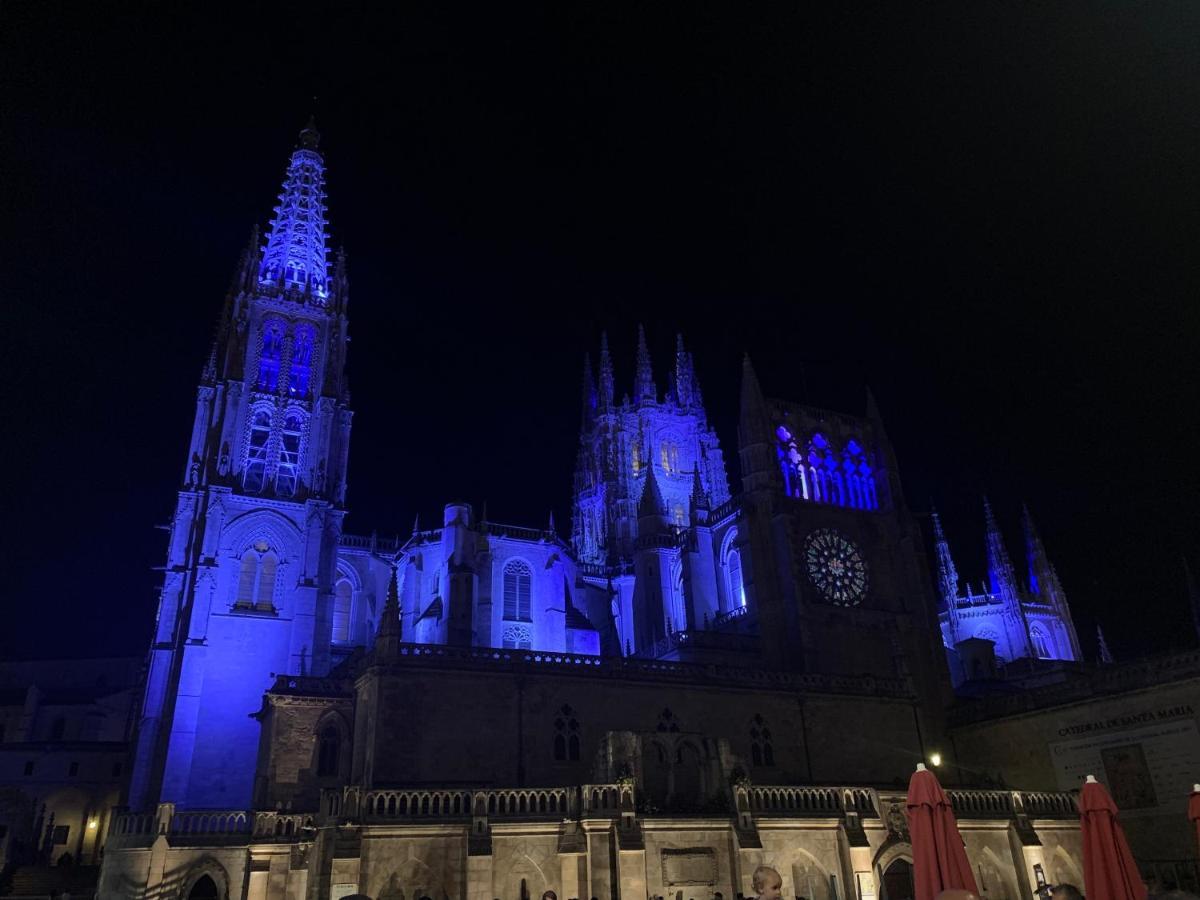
{"x": 295, "y": 254}
{"x": 947, "y": 573}
{"x": 644, "y": 391}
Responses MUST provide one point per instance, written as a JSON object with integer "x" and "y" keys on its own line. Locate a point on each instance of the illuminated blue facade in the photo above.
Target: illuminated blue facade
{"x": 253, "y": 578}
{"x": 1023, "y": 618}
{"x": 663, "y": 562}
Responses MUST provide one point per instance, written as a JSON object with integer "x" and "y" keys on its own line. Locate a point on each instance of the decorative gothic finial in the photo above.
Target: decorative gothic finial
{"x": 387, "y": 639}
{"x": 310, "y": 138}
{"x": 551, "y": 527}
{"x": 417, "y": 524}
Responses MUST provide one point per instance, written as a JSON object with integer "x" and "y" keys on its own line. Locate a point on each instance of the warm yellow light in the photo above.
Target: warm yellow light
{"x": 92, "y": 823}
{"x": 935, "y": 759}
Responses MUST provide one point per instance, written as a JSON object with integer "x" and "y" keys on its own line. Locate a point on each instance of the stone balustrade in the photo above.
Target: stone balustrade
{"x": 610, "y": 801}
{"x": 801, "y": 801}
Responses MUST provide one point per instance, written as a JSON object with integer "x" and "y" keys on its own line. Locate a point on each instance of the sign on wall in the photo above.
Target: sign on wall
{"x": 1147, "y": 760}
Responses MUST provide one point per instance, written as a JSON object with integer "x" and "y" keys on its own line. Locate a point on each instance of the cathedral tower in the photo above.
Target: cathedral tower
{"x": 621, "y": 443}
{"x": 253, "y": 542}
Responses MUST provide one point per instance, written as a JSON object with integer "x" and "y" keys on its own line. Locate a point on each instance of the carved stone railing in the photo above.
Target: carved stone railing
{"x": 813, "y": 801}
{"x": 730, "y": 506}
{"x": 132, "y": 830}
{"x": 1048, "y": 804}
{"x": 205, "y": 827}
{"x": 795, "y": 801}
{"x": 596, "y": 570}
{"x": 372, "y": 543}
{"x": 982, "y": 804}
{"x": 556, "y": 803}
{"x": 722, "y": 619}
{"x": 275, "y": 825}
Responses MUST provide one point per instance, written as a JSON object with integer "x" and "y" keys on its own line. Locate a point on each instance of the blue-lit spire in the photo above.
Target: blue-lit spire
{"x": 947, "y": 573}
{"x": 1002, "y": 580}
{"x": 295, "y": 254}
{"x": 644, "y": 391}
{"x": 683, "y": 377}
{"x": 590, "y": 400}
{"x": 606, "y": 373}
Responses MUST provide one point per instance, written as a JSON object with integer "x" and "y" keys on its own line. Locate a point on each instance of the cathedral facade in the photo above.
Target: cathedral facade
{"x": 698, "y": 679}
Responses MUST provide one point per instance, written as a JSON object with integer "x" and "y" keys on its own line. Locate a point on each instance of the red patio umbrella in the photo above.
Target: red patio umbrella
{"x": 1109, "y": 872}
{"x": 939, "y": 858}
{"x": 1194, "y": 812}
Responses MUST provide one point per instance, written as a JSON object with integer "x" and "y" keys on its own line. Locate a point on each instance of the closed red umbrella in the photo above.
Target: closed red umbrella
{"x": 1194, "y": 812}
{"x": 939, "y": 858}
{"x": 1109, "y": 872}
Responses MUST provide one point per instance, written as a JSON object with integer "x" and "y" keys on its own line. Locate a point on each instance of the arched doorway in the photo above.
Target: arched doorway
{"x": 898, "y": 881}
{"x": 204, "y": 889}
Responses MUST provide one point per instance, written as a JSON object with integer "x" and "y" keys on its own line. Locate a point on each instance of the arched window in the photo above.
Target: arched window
{"x": 517, "y": 578}
{"x": 1041, "y": 643}
{"x": 566, "y": 735}
{"x": 668, "y": 455}
{"x": 256, "y": 452}
{"x": 679, "y": 515}
{"x": 328, "y": 751}
{"x": 636, "y": 456}
{"x": 343, "y": 592}
{"x": 734, "y": 586}
{"x": 270, "y": 352}
{"x": 256, "y": 578}
{"x": 204, "y": 889}
{"x": 300, "y": 368}
{"x": 58, "y": 728}
{"x": 287, "y": 476}
{"x": 762, "y": 748}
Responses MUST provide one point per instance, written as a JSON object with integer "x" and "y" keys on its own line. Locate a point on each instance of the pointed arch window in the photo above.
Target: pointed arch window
{"x": 566, "y": 735}
{"x": 1041, "y": 643}
{"x": 300, "y": 367}
{"x": 735, "y": 589}
{"x": 636, "y": 455}
{"x": 517, "y": 580}
{"x": 343, "y": 594}
{"x": 256, "y": 578}
{"x": 270, "y": 353}
{"x": 762, "y": 747}
{"x": 287, "y": 475}
{"x": 256, "y": 451}
{"x": 328, "y": 751}
{"x": 668, "y": 455}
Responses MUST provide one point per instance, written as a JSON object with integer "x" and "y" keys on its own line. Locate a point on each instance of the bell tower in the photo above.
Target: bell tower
{"x": 253, "y": 542}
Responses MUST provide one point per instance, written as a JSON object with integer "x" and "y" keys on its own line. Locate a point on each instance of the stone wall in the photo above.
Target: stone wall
{"x": 607, "y": 853}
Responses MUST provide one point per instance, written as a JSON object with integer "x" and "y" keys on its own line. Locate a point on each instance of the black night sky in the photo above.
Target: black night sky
{"x": 988, "y": 213}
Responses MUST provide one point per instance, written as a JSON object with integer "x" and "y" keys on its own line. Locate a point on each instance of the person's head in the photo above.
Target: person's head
{"x": 1065, "y": 891}
{"x": 549, "y": 895}
{"x": 767, "y": 883}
